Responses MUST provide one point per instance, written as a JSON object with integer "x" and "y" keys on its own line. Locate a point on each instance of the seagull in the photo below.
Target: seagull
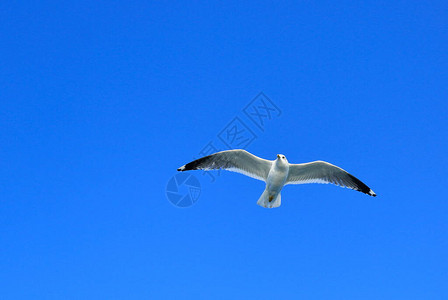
{"x": 277, "y": 173}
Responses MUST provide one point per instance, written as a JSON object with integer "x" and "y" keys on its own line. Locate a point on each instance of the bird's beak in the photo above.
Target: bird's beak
{"x": 278, "y": 156}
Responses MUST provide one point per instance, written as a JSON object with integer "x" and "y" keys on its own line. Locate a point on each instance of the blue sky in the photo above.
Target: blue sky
{"x": 102, "y": 101}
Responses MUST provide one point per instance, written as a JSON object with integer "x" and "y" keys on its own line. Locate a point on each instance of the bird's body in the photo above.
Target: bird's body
{"x": 277, "y": 176}
{"x": 277, "y": 173}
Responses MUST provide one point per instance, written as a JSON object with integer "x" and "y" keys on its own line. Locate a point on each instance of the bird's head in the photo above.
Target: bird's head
{"x": 282, "y": 158}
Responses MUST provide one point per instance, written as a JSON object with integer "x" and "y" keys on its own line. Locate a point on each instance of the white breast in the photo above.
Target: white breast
{"x": 277, "y": 176}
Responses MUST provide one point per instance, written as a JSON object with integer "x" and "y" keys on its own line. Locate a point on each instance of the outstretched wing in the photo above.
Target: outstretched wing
{"x": 239, "y": 161}
{"x": 323, "y": 172}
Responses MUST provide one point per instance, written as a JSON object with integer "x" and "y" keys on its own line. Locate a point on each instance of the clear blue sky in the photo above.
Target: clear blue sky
{"x": 101, "y": 101}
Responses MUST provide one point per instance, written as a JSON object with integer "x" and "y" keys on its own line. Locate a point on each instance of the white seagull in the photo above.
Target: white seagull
{"x": 277, "y": 173}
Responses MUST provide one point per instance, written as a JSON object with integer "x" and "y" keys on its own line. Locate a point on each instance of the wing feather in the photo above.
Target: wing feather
{"x": 323, "y": 172}
{"x": 239, "y": 161}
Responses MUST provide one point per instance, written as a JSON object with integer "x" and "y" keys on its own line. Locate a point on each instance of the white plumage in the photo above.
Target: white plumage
{"x": 277, "y": 173}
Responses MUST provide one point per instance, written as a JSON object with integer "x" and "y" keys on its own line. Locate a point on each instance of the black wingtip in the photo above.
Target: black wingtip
{"x": 195, "y": 164}
{"x": 371, "y": 193}
{"x": 360, "y": 186}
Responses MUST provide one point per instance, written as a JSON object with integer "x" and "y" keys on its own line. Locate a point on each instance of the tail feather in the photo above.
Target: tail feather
{"x": 269, "y": 201}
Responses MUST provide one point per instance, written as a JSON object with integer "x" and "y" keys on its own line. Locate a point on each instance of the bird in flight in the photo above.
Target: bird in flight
{"x": 277, "y": 173}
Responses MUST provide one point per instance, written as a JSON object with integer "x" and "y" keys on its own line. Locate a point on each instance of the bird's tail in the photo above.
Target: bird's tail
{"x": 269, "y": 201}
